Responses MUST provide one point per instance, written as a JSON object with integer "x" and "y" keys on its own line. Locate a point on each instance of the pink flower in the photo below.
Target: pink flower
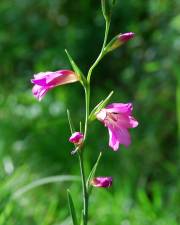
{"x": 118, "y": 119}
{"x": 45, "y": 81}
{"x": 126, "y": 36}
{"x": 101, "y": 182}
{"x": 77, "y": 138}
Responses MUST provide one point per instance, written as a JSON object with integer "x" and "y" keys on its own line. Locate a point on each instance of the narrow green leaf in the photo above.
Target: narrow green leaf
{"x": 106, "y": 100}
{"x": 82, "y": 218}
{"x": 43, "y": 181}
{"x": 72, "y": 208}
{"x": 76, "y": 69}
{"x": 70, "y": 122}
{"x": 93, "y": 171}
{"x": 93, "y": 112}
{"x": 99, "y": 106}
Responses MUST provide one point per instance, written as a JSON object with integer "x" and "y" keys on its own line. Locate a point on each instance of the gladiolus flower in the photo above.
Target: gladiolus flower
{"x": 103, "y": 182}
{"x": 118, "y": 119}
{"x": 45, "y": 81}
{"x": 77, "y": 138}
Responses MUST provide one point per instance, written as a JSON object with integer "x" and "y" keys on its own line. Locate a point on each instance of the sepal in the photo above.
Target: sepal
{"x": 76, "y": 69}
{"x": 98, "y": 107}
{"x": 93, "y": 172}
{"x": 71, "y": 126}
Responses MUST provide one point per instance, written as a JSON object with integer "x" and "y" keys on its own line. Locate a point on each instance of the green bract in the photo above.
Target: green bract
{"x": 99, "y": 106}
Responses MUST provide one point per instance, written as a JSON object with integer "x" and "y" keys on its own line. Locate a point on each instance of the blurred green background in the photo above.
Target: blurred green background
{"x": 34, "y": 135}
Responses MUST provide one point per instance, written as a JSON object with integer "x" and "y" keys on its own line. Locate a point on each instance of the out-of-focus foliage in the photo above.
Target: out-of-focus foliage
{"x": 33, "y": 135}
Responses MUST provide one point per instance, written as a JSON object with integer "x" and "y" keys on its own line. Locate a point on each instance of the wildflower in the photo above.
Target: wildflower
{"x": 45, "y": 81}
{"x": 103, "y": 182}
{"x": 77, "y": 138}
{"x": 117, "y": 118}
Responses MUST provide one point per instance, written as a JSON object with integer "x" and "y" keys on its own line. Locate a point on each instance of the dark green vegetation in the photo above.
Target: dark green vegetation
{"x": 33, "y": 135}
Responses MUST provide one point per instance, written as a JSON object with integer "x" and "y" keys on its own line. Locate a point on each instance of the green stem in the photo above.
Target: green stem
{"x": 178, "y": 107}
{"x": 87, "y": 100}
{"x": 102, "y": 53}
{"x": 81, "y": 161}
{"x": 85, "y": 192}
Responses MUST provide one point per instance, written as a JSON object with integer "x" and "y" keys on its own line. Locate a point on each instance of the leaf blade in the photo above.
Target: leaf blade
{"x": 72, "y": 208}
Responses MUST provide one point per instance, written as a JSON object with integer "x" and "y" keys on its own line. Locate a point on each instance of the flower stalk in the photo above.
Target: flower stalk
{"x": 84, "y": 188}
{"x": 87, "y": 107}
{"x": 102, "y": 52}
{"x": 117, "y": 117}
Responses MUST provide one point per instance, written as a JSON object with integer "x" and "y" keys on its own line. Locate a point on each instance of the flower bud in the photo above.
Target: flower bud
{"x": 77, "y": 138}
{"x": 118, "y": 40}
{"x": 103, "y": 182}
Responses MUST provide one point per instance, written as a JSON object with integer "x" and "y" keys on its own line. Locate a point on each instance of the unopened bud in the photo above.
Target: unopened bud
{"x": 77, "y": 138}
{"x": 103, "y": 182}
{"x": 118, "y": 40}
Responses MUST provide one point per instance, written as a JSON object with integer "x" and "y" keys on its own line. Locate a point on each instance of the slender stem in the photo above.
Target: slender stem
{"x": 85, "y": 192}
{"x": 81, "y": 160}
{"x": 101, "y": 53}
{"x": 178, "y": 107}
{"x": 87, "y": 100}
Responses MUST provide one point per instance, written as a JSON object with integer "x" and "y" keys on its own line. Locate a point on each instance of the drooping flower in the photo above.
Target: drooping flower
{"x": 45, "y": 81}
{"x": 77, "y": 138}
{"x": 117, "y": 117}
{"x": 103, "y": 182}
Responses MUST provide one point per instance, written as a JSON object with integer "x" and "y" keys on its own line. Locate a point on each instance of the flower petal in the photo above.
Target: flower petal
{"x": 118, "y": 135}
{"x": 120, "y": 108}
{"x": 101, "y": 115}
{"x": 40, "y": 78}
{"x": 113, "y": 140}
{"x": 133, "y": 122}
{"x": 62, "y": 77}
{"x": 39, "y": 91}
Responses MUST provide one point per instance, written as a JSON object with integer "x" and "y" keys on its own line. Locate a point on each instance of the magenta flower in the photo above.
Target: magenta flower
{"x": 118, "y": 119}
{"x": 77, "y": 138}
{"x": 103, "y": 182}
{"x": 125, "y": 37}
{"x": 45, "y": 81}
